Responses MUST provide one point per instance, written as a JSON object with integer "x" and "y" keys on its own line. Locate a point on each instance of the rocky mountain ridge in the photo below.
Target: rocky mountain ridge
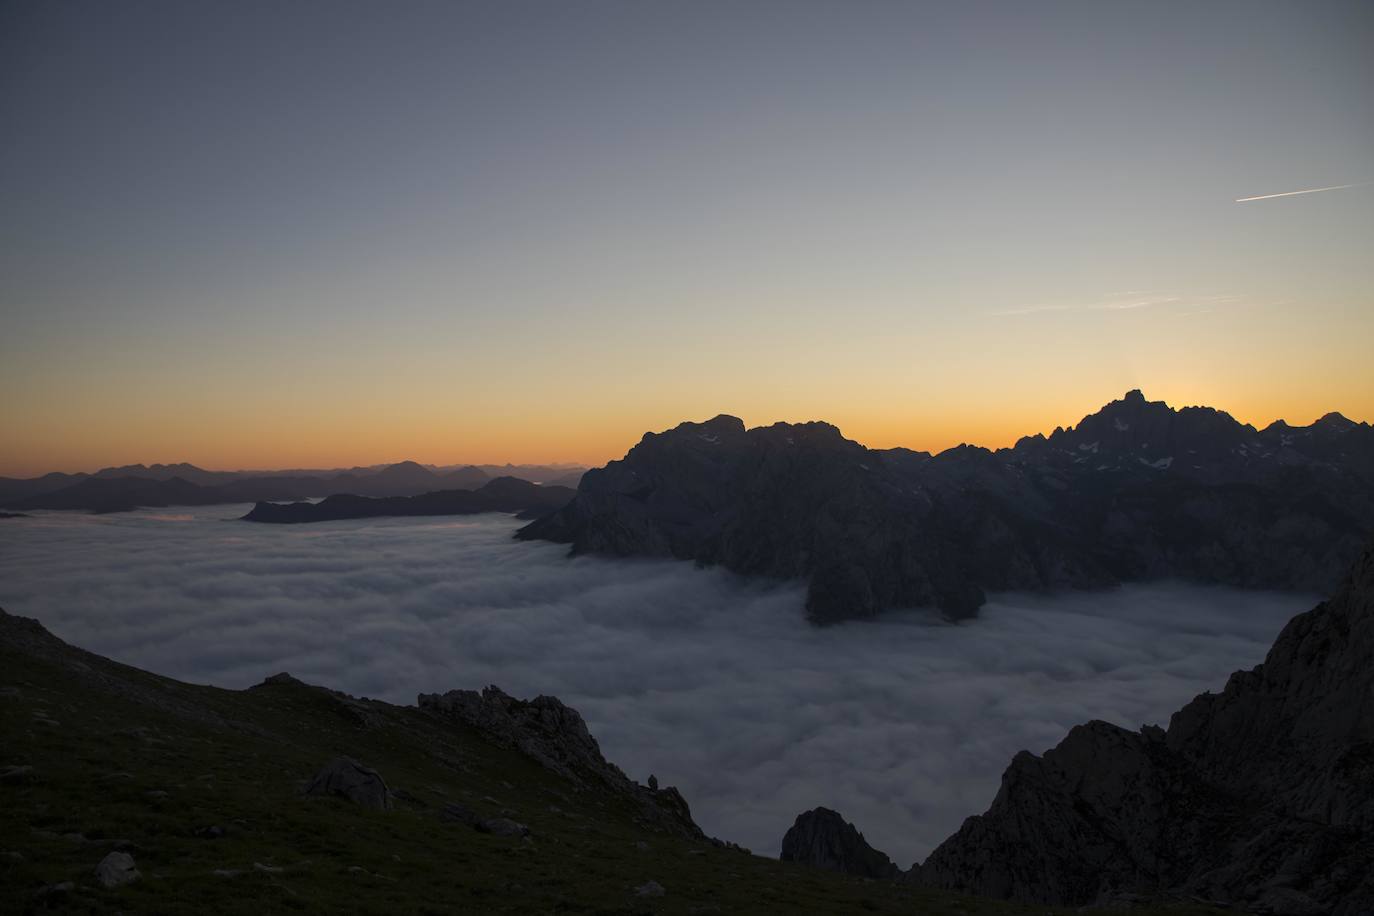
{"x": 1136, "y": 491}
{"x": 1261, "y": 796}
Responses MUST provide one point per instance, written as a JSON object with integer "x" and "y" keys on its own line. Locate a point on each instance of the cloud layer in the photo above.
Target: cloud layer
{"x": 712, "y": 683}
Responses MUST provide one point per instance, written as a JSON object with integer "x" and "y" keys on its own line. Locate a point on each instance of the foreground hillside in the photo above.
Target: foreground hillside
{"x": 202, "y": 789}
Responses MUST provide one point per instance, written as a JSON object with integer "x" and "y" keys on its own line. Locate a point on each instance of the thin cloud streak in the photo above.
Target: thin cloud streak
{"x": 1334, "y": 187}
{"x": 1122, "y": 302}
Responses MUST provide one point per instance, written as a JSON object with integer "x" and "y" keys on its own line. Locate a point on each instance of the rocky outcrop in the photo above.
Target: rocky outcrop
{"x": 822, "y": 838}
{"x": 1137, "y": 491}
{"x": 344, "y": 777}
{"x": 1261, "y": 795}
{"x": 555, "y": 736}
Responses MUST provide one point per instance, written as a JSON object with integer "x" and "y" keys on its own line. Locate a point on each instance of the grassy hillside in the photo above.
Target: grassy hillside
{"x": 203, "y": 787}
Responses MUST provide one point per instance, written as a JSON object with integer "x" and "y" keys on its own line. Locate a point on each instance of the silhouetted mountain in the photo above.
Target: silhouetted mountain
{"x": 121, "y": 494}
{"x": 406, "y": 478}
{"x": 824, "y": 839}
{"x": 117, "y": 494}
{"x": 1137, "y": 491}
{"x": 504, "y": 494}
{"x": 17, "y": 488}
{"x": 187, "y": 472}
{"x": 571, "y": 479}
{"x": 535, "y": 473}
{"x": 1262, "y": 795}
{"x": 468, "y": 478}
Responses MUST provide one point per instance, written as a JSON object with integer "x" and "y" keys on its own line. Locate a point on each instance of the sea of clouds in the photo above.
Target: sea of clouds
{"x": 713, "y": 683}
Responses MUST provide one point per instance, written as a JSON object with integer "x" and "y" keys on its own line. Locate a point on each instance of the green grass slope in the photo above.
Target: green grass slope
{"x": 96, "y": 756}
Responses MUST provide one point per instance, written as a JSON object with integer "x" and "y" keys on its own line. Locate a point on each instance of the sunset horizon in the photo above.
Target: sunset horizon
{"x": 788, "y": 456}
{"x": 978, "y": 417}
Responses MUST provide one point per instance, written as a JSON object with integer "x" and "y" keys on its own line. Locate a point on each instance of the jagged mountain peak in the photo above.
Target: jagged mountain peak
{"x": 1335, "y": 421}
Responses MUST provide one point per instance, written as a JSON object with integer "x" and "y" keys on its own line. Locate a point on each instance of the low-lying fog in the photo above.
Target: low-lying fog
{"x": 714, "y": 684}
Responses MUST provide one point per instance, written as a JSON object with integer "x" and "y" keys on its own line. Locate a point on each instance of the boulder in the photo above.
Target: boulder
{"x": 347, "y": 778}
{"x": 116, "y": 869}
{"x": 502, "y": 826}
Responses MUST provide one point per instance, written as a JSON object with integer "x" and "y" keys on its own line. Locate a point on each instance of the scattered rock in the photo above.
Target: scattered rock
{"x": 346, "y": 778}
{"x": 1284, "y": 901}
{"x": 155, "y": 794}
{"x": 22, "y": 773}
{"x": 268, "y": 869}
{"x": 650, "y": 889}
{"x": 116, "y": 869}
{"x": 227, "y": 872}
{"x": 459, "y": 814}
{"x": 213, "y": 832}
{"x": 54, "y": 894}
{"x": 503, "y": 826}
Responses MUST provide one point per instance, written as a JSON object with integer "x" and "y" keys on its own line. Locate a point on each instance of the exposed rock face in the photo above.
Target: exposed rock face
{"x": 116, "y": 869}
{"x": 1262, "y": 794}
{"x": 1136, "y": 491}
{"x": 347, "y": 778}
{"x": 823, "y": 838}
{"x": 556, "y": 736}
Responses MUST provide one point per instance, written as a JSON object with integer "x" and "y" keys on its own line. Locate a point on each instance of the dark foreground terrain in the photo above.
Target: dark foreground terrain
{"x": 1259, "y": 798}
{"x": 202, "y": 789}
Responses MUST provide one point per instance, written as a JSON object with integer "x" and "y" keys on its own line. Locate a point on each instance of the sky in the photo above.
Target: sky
{"x": 332, "y": 233}
{"x": 712, "y": 683}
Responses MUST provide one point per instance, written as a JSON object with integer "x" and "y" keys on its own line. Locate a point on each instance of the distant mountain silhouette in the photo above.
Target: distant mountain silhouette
{"x": 405, "y": 478}
{"x": 570, "y": 479}
{"x": 504, "y": 494}
{"x": 1136, "y": 491}
{"x": 468, "y": 478}
{"x": 148, "y": 487}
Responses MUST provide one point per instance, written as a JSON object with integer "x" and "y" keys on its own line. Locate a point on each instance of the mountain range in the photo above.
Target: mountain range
{"x": 118, "y": 489}
{"x": 1135, "y": 491}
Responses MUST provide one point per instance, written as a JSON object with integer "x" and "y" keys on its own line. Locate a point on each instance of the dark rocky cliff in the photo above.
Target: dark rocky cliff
{"x": 1261, "y": 795}
{"x": 1137, "y": 491}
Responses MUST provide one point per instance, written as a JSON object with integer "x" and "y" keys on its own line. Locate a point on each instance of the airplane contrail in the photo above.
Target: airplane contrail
{"x": 1334, "y": 187}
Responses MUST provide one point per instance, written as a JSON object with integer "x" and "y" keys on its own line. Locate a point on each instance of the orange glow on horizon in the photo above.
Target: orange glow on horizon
{"x": 326, "y": 441}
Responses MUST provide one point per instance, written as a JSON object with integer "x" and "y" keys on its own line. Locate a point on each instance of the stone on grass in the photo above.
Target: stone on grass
{"x": 116, "y": 869}
{"x": 347, "y": 778}
{"x": 503, "y": 826}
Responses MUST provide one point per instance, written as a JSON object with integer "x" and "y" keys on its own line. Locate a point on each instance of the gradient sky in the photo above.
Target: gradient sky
{"x": 304, "y": 234}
